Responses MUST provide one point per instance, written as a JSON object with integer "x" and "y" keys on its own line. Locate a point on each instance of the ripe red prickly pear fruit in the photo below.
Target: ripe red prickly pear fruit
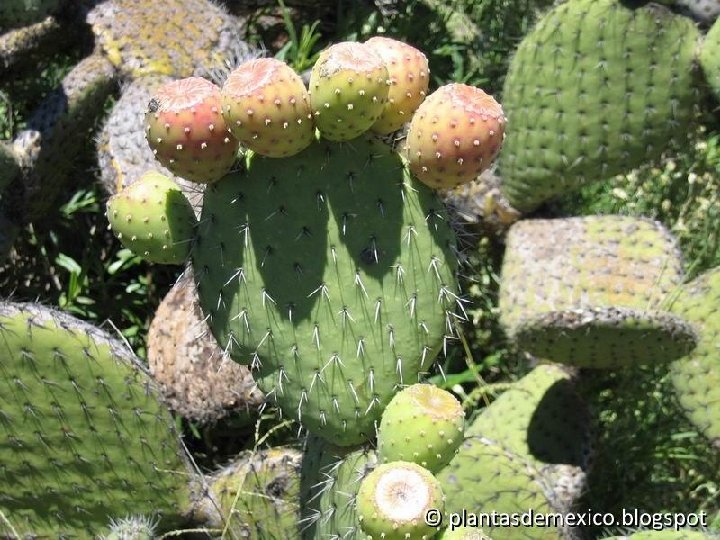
{"x": 409, "y": 79}
{"x": 348, "y": 90}
{"x": 267, "y": 107}
{"x": 454, "y": 135}
{"x": 187, "y": 132}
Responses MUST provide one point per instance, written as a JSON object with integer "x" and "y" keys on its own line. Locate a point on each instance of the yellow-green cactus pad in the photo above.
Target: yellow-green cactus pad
{"x": 82, "y": 435}
{"x": 696, "y": 377}
{"x": 597, "y": 88}
{"x": 588, "y": 291}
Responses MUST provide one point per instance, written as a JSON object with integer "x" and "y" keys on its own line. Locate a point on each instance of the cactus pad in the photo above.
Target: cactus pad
{"x": 258, "y": 495}
{"x": 196, "y": 377}
{"x": 595, "y": 89}
{"x": 587, "y": 291}
{"x": 463, "y": 533}
{"x": 186, "y": 37}
{"x": 83, "y": 436}
{"x": 696, "y": 377}
{"x": 710, "y": 58}
{"x": 665, "y": 535}
{"x": 332, "y": 273}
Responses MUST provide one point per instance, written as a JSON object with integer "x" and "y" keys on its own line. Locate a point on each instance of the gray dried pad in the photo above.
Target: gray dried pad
{"x": 197, "y": 379}
{"x": 589, "y": 291}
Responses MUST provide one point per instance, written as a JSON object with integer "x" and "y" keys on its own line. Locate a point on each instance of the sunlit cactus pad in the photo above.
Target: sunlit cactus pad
{"x": 82, "y": 436}
{"x": 588, "y": 291}
{"x": 696, "y": 377}
{"x": 595, "y": 89}
{"x": 332, "y": 273}
{"x": 710, "y": 58}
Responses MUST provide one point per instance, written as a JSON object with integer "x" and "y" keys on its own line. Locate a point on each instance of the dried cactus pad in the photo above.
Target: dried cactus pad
{"x": 596, "y": 89}
{"x": 710, "y": 57}
{"x": 587, "y": 291}
{"x": 196, "y": 377}
{"x": 257, "y": 496}
{"x": 82, "y": 435}
{"x": 333, "y": 272}
{"x": 173, "y": 37}
{"x": 696, "y": 377}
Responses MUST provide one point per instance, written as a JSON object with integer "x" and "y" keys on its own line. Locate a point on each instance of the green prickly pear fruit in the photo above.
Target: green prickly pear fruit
{"x": 463, "y": 533}
{"x": 710, "y": 58}
{"x": 409, "y": 79}
{"x": 132, "y": 528}
{"x": 267, "y": 107}
{"x": 394, "y": 500}
{"x": 454, "y": 135}
{"x": 348, "y": 90}
{"x": 422, "y": 424}
{"x": 187, "y": 132}
{"x": 153, "y": 219}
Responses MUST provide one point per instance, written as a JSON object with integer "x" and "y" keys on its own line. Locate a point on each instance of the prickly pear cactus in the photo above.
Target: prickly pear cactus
{"x": 696, "y": 377}
{"x": 333, "y": 274}
{"x": 597, "y": 88}
{"x": 195, "y": 376}
{"x": 330, "y": 480}
{"x": 710, "y": 58}
{"x": 191, "y": 36}
{"x": 256, "y": 496}
{"x": 588, "y": 291}
{"x": 82, "y": 435}
{"x": 463, "y": 533}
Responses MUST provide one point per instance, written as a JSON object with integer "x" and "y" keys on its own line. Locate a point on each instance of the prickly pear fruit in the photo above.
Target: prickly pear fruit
{"x": 187, "y": 132}
{"x": 422, "y": 424}
{"x": 463, "y": 533}
{"x": 267, "y": 107}
{"x": 409, "y": 79}
{"x": 394, "y": 499}
{"x": 348, "y": 90}
{"x": 454, "y": 135}
{"x": 153, "y": 219}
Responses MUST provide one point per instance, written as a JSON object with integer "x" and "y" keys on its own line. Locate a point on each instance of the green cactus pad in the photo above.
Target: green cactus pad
{"x": 153, "y": 219}
{"x": 541, "y": 417}
{"x": 185, "y": 37}
{"x": 332, "y": 273}
{"x": 587, "y": 291}
{"x": 82, "y": 436}
{"x": 394, "y": 500}
{"x": 422, "y": 424}
{"x": 696, "y": 377}
{"x": 710, "y": 58}
{"x": 258, "y": 495}
{"x": 330, "y": 480}
{"x": 17, "y": 47}
{"x": 596, "y": 89}
{"x": 484, "y": 478}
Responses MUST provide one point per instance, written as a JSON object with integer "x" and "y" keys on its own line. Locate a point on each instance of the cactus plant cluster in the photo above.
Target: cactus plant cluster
{"x": 324, "y": 264}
